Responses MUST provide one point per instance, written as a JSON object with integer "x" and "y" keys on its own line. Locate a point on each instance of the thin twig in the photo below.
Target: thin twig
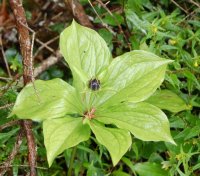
{"x": 4, "y": 58}
{"x": 9, "y": 124}
{"x": 104, "y": 24}
{"x": 6, "y": 106}
{"x": 179, "y": 6}
{"x": 23, "y": 165}
{"x": 195, "y": 3}
{"x": 5, "y": 79}
{"x": 47, "y": 63}
{"x": 45, "y": 45}
{"x": 57, "y": 16}
{"x": 190, "y": 14}
{"x": 46, "y": 5}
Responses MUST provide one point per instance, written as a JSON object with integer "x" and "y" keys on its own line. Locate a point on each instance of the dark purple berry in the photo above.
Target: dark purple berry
{"x": 94, "y": 84}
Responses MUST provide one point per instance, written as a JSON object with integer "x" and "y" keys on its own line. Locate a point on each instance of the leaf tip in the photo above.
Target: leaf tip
{"x": 50, "y": 162}
{"x": 171, "y": 140}
{"x": 170, "y": 61}
{"x": 74, "y": 23}
{"x": 50, "y": 159}
{"x": 114, "y": 163}
{"x": 10, "y": 115}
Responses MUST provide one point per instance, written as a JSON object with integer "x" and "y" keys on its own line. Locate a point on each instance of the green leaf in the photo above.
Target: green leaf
{"x": 49, "y": 99}
{"x": 193, "y": 132}
{"x": 6, "y": 136}
{"x": 117, "y": 141}
{"x": 135, "y": 21}
{"x": 114, "y": 19}
{"x": 165, "y": 99}
{"x": 63, "y": 133}
{"x": 143, "y": 120}
{"x": 84, "y": 50}
{"x": 143, "y": 169}
{"x": 133, "y": 76}
{"x": 120, "y": 173}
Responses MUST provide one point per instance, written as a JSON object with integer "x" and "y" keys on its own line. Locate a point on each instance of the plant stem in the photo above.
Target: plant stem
{"x": 69, "y": 173}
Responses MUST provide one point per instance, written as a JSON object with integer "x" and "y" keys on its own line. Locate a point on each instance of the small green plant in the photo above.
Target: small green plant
{"x": 107, "y": 97}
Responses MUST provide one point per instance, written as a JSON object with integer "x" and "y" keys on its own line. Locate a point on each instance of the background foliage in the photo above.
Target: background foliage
{"x": 168, "y": 29}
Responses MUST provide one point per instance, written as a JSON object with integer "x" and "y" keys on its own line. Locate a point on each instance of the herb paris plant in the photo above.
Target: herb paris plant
{"x": 107, "y": 97}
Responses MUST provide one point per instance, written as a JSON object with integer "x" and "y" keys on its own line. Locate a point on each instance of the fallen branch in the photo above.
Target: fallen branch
{"x": 51, "y": 60}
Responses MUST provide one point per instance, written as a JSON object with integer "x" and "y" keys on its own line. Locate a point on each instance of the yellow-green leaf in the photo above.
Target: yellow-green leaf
{"x": 117, "y": 141}
{"x": 63, "y": 133}
{"x": 47, "y": 100}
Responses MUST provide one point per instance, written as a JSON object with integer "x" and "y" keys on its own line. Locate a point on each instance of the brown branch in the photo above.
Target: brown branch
{"x": 47, "y": 63}
{"x": 27, "y": 125}
{"x": 4, "y": 58}
{"x": 4, "y": 168}
{"x": 195, "y": 3}
{"x": 78, "y": 12}
{"x": 9, "y": 124}
{"x": 25, "y": 45}
{"x": 6, "y": 106}
{"x": 5, "y": 78}
{"x": 45, "y": 45}
{"x": 179, "y": 6}
{"x": 24, "y": 40}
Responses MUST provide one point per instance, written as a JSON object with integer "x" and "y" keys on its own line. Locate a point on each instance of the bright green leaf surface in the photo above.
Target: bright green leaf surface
{"x": 119, "y": 173}
{"x": 146, "y": 169}
{"x": 143, "y": 120}
{"x": 63, "y": 133}
{"x": 117, "y": 141}
{"x": 49, "y": 99}
{"x": 135, "y": 21}
{"x": 133, "y": 76}
{"x": 165, "y": 99}
{"x": 6, "y": 136}
{"x": 84, "y": 50}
